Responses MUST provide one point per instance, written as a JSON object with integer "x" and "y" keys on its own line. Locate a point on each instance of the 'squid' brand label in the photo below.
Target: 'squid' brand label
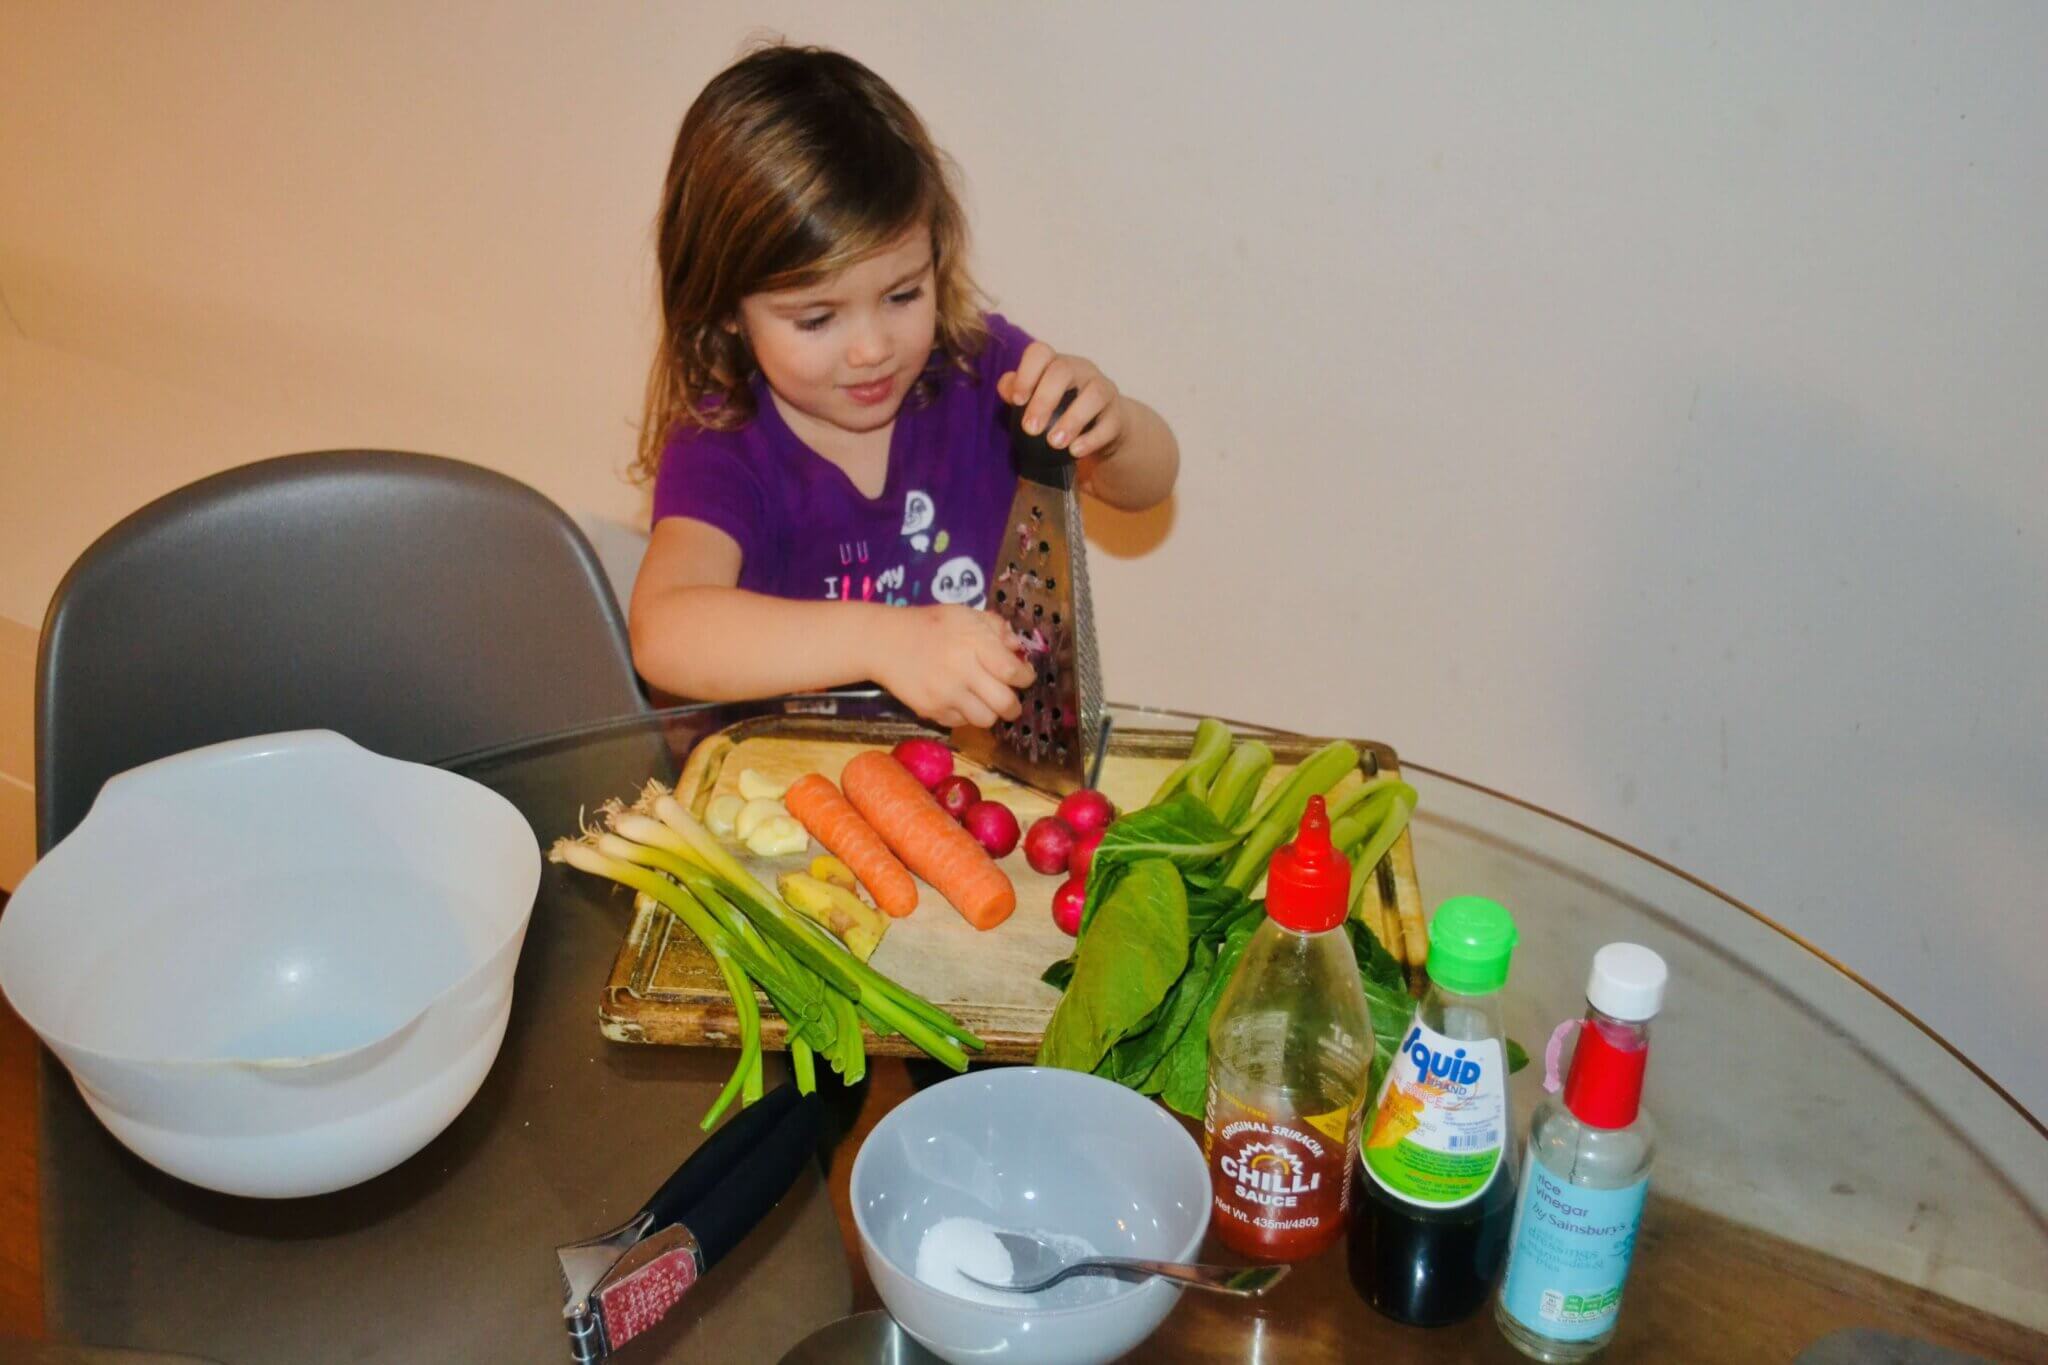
{"x": 1438, "y": 1134}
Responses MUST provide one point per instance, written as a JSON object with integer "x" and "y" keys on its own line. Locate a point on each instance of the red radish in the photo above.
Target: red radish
{"x": 955, "y": 795}
{"x": 1049, "y": 845}
{"x": 993, "y": 825}
{"x": 929, "y": 761}
{"x": 1087, "y": 811}
{"x": 1083, "y": 856}
{"x": 1066, "y": 906}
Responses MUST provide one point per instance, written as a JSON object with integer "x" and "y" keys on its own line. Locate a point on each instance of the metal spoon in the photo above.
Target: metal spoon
{"x": 1037, "y": 1265}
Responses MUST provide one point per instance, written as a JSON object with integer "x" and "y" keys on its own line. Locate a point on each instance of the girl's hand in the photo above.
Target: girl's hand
{"x": 1093, "y": 423}
{"x": 953, "y": 665}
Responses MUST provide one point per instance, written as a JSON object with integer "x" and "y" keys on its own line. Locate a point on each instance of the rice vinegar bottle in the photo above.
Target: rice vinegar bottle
{"x": 1290, "y": 1060}
{"x": 1588, "y": 1171}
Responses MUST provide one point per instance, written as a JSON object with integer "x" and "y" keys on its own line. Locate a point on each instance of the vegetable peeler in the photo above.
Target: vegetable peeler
{"x": 1040, "y": 587}
{"x": 620, "y": 1283}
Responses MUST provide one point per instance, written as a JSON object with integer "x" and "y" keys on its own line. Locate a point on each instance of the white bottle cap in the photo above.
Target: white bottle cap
{"x": 1627, "y": 982}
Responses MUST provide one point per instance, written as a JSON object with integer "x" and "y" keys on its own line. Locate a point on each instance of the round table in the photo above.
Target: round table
{"x": 1830, "y": 1174}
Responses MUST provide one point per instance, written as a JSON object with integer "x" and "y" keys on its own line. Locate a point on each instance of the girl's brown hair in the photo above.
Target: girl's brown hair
{"x": 793, "y": 164}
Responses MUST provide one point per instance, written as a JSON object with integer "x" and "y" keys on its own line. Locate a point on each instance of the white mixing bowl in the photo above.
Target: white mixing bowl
{"x": 276, "y": 966}
{"x": 1036, "y": 1150}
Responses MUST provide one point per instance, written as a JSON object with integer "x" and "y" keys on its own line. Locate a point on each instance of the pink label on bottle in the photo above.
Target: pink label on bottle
{"x": 635, "y": 1302}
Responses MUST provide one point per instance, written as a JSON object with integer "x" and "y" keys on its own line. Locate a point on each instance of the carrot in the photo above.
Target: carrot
{"x": 819, "y": 808}
{"x": 931, "y": 841}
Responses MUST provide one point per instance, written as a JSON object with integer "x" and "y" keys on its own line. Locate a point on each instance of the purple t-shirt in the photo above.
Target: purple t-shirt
{"x": 805, "y": 531}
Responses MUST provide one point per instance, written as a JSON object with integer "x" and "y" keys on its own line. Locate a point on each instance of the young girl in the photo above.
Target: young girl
{"x": 827, "y": 415}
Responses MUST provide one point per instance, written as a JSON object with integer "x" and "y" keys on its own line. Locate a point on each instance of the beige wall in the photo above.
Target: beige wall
{"x": 1636, "y": 410}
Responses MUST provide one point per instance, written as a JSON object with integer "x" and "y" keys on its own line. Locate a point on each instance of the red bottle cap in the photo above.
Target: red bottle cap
{"x": 1605, "y": 1085}
{"x": 1308, "y": 888}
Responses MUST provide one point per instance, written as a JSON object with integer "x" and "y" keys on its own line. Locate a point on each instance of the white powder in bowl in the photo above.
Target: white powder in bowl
{"x": 952, "y": 1245}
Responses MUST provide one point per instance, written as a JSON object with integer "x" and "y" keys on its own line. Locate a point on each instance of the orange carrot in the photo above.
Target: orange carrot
{"x": 931, "y": 841}
{"x": 819, "y": 808}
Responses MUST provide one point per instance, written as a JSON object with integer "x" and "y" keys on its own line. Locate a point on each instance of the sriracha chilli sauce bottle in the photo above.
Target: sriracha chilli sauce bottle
{"x": 1290, "y": 1057}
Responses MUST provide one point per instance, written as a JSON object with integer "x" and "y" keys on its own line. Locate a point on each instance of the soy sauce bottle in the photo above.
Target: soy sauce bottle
{"x": 1434, "y": 1193}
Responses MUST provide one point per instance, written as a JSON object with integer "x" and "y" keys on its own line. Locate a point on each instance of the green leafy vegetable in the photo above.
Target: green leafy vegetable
{"x": 1237, "y": 784}
{"x": 1207, "y": 754}
{"x": 1386, "y": 997}
{"x": 1280, "y": 816}
{"x": 1182, "y": 831}
{"x": 1124, "y": 965}
{"x": 1213, "y": 908}
{"x": 1392, "y": 819}
{"x": 1362, "y": 816}
{"x": 1315, "y": 774}
{"x": 1184, "y": 1083}
{"x": 1133, "y": 1060}
{"x": 1138, "y": 1012}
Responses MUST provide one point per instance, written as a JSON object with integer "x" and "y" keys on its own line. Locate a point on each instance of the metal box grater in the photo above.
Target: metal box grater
{"x": 1039, "y": 584}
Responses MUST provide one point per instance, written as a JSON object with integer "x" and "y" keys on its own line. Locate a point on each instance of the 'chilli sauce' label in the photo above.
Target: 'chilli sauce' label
{"x": 1280, "y": 1182}
{"x": 1437, "y": 1136}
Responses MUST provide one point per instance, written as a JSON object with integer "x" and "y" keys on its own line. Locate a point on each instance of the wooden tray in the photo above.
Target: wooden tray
{"x": 664, "y": 987}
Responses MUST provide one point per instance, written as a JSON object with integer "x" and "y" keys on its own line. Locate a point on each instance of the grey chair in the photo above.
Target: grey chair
{"x": 421, "y": 606}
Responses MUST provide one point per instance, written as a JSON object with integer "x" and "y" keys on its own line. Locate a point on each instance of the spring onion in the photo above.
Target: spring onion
{"x": 822, "y": 990}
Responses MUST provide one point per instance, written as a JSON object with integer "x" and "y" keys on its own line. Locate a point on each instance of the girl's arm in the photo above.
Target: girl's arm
{"x": 696, "y": 634}
{"x": 1139, "y": 471}
{"x": 1128, "y": 455}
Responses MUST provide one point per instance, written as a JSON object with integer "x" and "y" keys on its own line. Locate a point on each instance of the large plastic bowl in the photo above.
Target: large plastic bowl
{"x": 1037, "y": 1150}
{"x": 276, "y": 966}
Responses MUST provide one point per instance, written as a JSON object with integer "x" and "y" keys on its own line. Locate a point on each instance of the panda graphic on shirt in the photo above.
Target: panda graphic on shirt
{"x": 958, "y": 580}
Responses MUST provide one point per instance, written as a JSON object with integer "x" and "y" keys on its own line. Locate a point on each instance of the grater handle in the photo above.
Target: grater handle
{"x": 1035, "y": 457}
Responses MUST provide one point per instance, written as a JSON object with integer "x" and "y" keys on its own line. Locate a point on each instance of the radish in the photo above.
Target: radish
{"x": 1083, "y": 856}
{"x": 1049, "y": 845}
{"x": 993, "y": 826}
{"x": 929, "y": 761}
{"x": 956, "y": 794}
{"x": 1066, "y": 906}
{"x": 1086, "y": 811}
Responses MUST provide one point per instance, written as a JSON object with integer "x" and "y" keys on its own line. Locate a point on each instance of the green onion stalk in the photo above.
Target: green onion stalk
{"x": 822, "y": 991}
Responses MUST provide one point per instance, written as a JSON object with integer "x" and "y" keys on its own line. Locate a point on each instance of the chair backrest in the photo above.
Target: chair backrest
{"x": 421, "y": 606}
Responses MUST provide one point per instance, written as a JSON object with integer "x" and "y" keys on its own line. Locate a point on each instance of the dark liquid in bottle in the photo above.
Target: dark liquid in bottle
{"x": 1425, "y": 1267}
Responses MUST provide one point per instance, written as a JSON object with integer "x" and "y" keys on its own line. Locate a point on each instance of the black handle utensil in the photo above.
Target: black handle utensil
{"x": 620, "y": 1283}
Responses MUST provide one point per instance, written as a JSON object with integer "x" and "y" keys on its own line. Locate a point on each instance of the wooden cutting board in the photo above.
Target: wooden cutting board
{"x": 664, "y": 987}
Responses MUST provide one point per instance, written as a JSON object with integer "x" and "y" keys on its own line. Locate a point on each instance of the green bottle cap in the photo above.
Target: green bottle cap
{"x": 1470, "y": 942}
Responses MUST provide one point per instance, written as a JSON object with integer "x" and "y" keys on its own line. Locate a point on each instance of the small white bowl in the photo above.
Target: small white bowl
{"x": 1038, "y": 1150}
{"x": 276, "y": 966}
